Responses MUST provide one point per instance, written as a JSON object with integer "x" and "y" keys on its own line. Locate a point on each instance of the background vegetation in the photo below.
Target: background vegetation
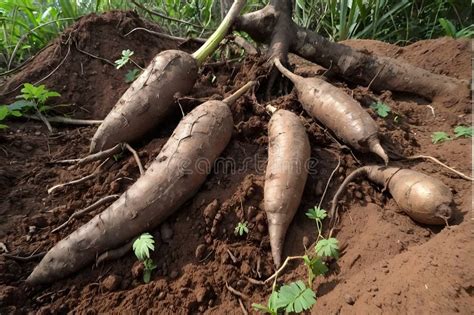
{"x": 28, "y": 25}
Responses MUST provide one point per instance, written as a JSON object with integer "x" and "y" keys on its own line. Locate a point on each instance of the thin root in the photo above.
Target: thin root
{"x": 66, "y": 120}
{"x": 435, "y": 160}
{"x": 114, "y": 254}
{"x": 234, "y": 291}
{"x": 27, "y": 258}
{"x": 93, "y": 206}
{"x": 93, "y": 157}
{"x": 137, "y": 158}
{"x": 329, "y": 180}
{"x": 244, "y": 311}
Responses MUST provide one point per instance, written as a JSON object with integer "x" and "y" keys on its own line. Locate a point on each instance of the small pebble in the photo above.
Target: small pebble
{"x": 37, "y": 133}
{"x": 161, "y": 296}
{"x": 174, "y": 274}
{"x": 211, "y": 210}
{"x": 137, "y": 269}
{"x": 111, "y": 283}
{"x": 200, "y": 251}
{"x": 261, "y": 228}
{"x": 200, "y": 293}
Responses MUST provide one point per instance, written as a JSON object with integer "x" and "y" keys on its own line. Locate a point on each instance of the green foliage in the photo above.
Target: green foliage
{"x": 126, "y": 54}
{"x": 315, "y": 267}
{"x": 132, "y": 75}
{"x": 296, "y": 297}
{"x": 316, "y": 213}
{"x": 463, "y": 131}
{"x": 141, "y": 247}
{"x": 241, "y": 228}
{"x": 293, "y": 297}
{"x": 439, "y": 136}
{"x": 28, "y": 25}
{"x": 381, "y": 109}
{"x": 450, "y": 29}
{"x": 387, "y": 20}
{"x": 32, "y": 98}
{"x": 37, "y": 93}
{"x": 328, "y": 248}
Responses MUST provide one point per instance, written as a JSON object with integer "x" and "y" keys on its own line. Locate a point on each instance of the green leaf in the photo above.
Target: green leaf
{"x": 439, "y": 136}
{"x": 296, "y": 297}
{"x": 316, "y": 213}
{"x": 2, "y": 126}
{"x": 21, "y": 105}
{"x": 4, "y": 112}
{"x": 315, "y": 267}
{"x": 381, "y": 109}
{"x": 273, "y": 302}
{"x": 328, "y": 248}
{"x": 142, "y": 246}
{"x": 16, "y": 113}
{"x": 463, "y": 131}
{"x": 448, "y": 27}
{"x": 241, "y": 228}
{"x": 132, "y": 75}
{"x": 126, "y": 54}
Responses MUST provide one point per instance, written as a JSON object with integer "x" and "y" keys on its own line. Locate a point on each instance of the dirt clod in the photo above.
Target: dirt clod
{"x": 111, "y": 282}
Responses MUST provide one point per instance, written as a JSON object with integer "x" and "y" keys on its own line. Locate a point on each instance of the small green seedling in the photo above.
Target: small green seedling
{"x": 142, "y": 246}
{"x": 241, "y": 228}
{"x": 296, "y": 297}
{"x": 318, "y": 215}
{"x": 439, "y": 136}
{"x": 293, "y": 297}
{"x": 126, "y": 54}
{"x": 132, "y": 75}
{"x": 32, "y": 97}
{"x": 381, "y": 109}
{"x": 463, "y": 132}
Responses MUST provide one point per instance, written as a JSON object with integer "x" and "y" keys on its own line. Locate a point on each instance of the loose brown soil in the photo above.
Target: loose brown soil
{"x": 388, "y": 264}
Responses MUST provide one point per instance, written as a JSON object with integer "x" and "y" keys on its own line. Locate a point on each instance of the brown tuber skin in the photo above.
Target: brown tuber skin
{"x": 148, "y": 100}
{"x": 174, "y": 176}
{"x": 286, "y": 173}
{"x": 337, "y": 111}
{"x": 424, "y": 198}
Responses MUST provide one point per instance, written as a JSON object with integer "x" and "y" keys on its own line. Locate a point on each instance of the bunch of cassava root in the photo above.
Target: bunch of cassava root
{"x": 207, "y": 129}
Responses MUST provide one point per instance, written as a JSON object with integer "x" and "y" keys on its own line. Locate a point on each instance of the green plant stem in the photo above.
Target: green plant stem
{"x": 213, "y": 41}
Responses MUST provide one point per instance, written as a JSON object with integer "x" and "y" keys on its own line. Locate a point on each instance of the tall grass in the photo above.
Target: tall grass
{"x": 28, "y": 25}
{"x": 396, "y": 21}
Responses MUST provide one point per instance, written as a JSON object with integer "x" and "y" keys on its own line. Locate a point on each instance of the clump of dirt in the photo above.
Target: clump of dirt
{"x": 388, "y": 263}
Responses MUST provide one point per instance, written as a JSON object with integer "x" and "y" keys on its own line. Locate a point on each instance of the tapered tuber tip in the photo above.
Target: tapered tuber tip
{"x": 375, "y": 147}
{"x": 277, "y": 234}
{"x": 287, "y": 73}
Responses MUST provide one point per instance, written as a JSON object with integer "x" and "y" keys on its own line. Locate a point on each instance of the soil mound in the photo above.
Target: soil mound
{"x": 80, "y": 63}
